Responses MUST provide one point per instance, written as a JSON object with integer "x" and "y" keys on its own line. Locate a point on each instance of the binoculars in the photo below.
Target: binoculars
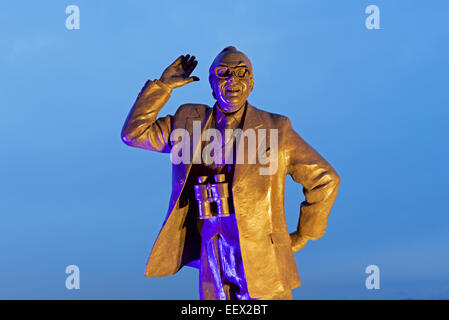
{"x": 209, "y": 193}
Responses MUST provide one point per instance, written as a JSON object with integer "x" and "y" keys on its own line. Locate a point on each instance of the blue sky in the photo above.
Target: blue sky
{"x": 374, "y": 103}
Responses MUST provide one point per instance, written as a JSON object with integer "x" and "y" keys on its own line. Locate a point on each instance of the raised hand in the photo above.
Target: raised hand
{"x": 178, "y": 73}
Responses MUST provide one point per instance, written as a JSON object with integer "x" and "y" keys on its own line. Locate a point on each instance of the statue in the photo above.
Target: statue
{"x": 226, "y": 212}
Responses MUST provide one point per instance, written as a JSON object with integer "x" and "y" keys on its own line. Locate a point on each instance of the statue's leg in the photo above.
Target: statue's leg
{"x": 231, "y": 261}
{"x": 211, "y": 285}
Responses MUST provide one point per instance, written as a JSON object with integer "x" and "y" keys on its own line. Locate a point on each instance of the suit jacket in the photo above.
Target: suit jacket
{"x": 265, "y": 242}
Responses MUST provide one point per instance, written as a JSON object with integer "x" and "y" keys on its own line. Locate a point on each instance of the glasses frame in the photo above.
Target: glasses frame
{"x": 233, "y": 71}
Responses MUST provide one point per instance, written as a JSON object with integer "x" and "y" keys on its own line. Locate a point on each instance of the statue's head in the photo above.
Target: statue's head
{"x": 231, "y": 79}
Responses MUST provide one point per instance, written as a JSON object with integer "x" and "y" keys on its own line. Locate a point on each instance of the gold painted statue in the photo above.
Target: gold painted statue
{"x": 226, "y": 213}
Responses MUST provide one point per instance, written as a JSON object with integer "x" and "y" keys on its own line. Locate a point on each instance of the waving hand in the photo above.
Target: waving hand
{"x": 178, "y": 73}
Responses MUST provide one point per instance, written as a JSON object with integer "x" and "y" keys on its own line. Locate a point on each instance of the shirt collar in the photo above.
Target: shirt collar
{"x": 236, "y": 115}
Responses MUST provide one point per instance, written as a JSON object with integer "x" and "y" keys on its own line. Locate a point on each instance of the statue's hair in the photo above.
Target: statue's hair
{"x": 229, "y": 48}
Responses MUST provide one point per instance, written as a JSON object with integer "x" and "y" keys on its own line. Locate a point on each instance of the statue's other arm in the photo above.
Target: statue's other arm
{"x": 320, "y": 186}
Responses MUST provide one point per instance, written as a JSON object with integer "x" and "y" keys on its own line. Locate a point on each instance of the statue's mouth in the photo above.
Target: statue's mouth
{"x": 232, "y": 91}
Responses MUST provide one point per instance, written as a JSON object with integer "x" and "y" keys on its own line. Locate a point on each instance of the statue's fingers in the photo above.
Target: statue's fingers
{"x": 185, "y": 60}
{"x": 191, "y": 67}
{"x": 178, "y": 60}
{"x": 190, "y": 61}
{"x": 190, "y": 79}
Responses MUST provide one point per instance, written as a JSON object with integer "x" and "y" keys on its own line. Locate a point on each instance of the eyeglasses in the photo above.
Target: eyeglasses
{"x": 223, "y": 72}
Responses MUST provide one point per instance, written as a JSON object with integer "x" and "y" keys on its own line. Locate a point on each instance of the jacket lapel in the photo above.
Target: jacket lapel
{"x": 195, "y": 144}
{"x": 181, "y": 171}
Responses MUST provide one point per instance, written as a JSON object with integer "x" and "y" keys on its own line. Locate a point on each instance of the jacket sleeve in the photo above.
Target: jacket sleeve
{"x": 319, "y": 180}
{"x": 142, "y": 129}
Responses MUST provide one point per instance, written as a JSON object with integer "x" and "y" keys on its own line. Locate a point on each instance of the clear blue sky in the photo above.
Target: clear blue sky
{"x": 372, "y": 102}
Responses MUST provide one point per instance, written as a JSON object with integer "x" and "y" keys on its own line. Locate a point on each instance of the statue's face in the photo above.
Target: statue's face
{"x": 231, "y": 79}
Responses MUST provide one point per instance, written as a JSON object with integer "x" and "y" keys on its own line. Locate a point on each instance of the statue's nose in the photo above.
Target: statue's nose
{"x": 230, "y": 78}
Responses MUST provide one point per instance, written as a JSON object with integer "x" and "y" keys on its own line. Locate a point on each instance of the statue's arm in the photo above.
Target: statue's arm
{"x": 320, "y": 186}
{"x": 142, "y": 129}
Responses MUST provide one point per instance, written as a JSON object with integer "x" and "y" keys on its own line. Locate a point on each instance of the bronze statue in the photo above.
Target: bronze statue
{"x": 226, "y": 213}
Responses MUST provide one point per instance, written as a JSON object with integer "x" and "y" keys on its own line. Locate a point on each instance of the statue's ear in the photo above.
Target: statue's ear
{"x": 251, "y": 84}
{"x": 211, "y": 85}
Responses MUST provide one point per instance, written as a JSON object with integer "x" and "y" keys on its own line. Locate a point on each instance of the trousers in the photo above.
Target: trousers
{"x": 222, "y": 275}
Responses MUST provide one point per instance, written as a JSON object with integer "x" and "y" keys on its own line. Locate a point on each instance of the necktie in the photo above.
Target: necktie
{"x": 225, "y": 121}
